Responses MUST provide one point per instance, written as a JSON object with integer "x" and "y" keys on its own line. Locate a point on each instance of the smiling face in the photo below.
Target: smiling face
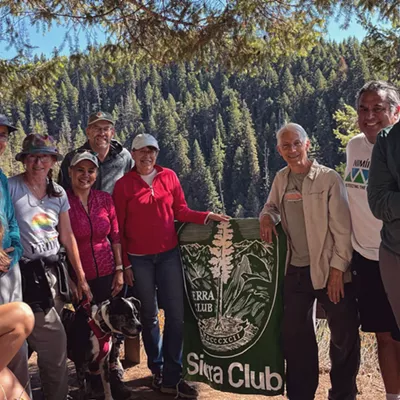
{"x": 292, "y": 149}
{"x": 83, "y": 175}
{"x": 374, "y": 114}
{"x": 38, "y": 165}
{"x": 100, "y": 134}
{"x": 145, "y": 159}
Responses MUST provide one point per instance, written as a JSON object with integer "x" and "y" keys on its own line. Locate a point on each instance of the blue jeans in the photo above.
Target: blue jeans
{"x": 161, "y": 273}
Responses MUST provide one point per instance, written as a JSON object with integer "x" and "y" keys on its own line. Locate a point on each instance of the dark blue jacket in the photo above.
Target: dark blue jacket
{"x": 384, "y": 186}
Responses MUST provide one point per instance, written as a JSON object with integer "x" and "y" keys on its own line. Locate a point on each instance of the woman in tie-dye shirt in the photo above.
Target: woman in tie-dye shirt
{"x": 41, "y": 208}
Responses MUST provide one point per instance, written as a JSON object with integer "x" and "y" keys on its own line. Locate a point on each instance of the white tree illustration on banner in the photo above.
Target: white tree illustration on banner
{"x": 221, "y": 261}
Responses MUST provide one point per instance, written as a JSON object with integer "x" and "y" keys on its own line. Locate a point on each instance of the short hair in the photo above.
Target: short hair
{"x": 292, "y": 127}
{"x": 391, "y": 92}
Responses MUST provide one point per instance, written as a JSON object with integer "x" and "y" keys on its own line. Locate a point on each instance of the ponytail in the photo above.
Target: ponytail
{"x": 50, "y": 189}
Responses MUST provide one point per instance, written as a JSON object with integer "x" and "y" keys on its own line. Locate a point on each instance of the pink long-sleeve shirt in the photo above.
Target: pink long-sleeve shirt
{"x": 95, "y": 232}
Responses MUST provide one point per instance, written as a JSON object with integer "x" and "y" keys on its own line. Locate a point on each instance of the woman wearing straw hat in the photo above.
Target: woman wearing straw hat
{"x": 42, "y": 213}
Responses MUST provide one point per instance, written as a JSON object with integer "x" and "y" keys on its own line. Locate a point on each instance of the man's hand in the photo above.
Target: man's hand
{"x": 335, "y": 287}
{"x": 267, "y": 228}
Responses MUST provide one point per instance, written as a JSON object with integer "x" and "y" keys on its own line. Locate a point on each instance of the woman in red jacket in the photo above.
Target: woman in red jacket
{"x": 95, "y": 226}
{"x": 148, "y": 200}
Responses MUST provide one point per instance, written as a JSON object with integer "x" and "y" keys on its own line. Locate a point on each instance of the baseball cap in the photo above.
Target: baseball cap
{"x": 100, "y": 116}
{"x": 85, "y": 154}
{"x": 144, "y": 140}
{"x": 4, "y": 121}
{"x": 38, "y": 144}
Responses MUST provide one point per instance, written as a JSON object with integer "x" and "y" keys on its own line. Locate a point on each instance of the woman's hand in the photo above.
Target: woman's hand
{"x": 74, "y": 291}
{"x": 128, "y": 276}
{"x": 218, "y": 217}
{"x": 6, "y": 267}
{"x": 84, "y": 289}
{"x": 335, "y": 285}
{"x": 267, "y": 228}
{"x": 117, "y": 283}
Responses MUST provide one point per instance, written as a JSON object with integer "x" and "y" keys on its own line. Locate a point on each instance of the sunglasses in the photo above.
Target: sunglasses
{"x": 80, "y": 151}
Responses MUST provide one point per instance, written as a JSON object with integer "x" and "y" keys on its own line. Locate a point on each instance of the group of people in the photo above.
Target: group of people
{"x": 343, "y": 248}
{"x": 84, "y": 237}
{"x": 110, "y": 221}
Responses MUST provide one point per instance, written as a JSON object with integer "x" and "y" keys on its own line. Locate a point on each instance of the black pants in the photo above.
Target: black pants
{"x": 300, "y": 345}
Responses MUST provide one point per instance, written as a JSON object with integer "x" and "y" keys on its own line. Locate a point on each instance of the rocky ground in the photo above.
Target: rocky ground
{"x": 138, "y": 378}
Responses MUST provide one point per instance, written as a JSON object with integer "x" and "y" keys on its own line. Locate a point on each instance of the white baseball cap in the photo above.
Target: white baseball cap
{"x": 84, "y": 154}
{"x": 144, "y": 140}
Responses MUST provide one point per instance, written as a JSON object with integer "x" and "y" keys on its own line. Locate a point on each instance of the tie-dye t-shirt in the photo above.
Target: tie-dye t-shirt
{"x": 37, "y": 219}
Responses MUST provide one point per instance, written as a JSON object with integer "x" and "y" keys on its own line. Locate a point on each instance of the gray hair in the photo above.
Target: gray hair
{"x": 292, "y": 127}
{"x": 391, "y": 92}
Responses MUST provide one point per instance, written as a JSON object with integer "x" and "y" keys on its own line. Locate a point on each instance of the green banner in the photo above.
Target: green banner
{"x": 233, "y": 307}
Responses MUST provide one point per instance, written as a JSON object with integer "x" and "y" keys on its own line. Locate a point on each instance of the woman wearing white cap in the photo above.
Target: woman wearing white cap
{"x": 95, "y": 226}
{"x": 148, "y": 200}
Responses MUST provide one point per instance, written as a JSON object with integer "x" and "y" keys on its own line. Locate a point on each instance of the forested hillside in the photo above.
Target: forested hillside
{"x": 217, "y": 131}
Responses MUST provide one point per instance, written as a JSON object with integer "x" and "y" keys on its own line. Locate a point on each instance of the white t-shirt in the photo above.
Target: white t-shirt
{"x": 366, "y": 228}
{"x": 37, "y": 219}
{"x": 150, "y": 177}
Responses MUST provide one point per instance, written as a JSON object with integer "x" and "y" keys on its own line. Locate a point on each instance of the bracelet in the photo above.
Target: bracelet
{"x": 119, "y": 267}
{"x": 128, "y": 267}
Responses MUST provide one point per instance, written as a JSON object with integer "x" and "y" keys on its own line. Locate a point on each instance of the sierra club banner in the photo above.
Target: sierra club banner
{"x": 233, "y": 306}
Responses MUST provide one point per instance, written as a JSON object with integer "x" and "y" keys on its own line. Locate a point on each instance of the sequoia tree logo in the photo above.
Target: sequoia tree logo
{"x": 230, "y": 285}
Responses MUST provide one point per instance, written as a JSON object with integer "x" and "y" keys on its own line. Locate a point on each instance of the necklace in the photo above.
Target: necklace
{"x": 39, "y": 193}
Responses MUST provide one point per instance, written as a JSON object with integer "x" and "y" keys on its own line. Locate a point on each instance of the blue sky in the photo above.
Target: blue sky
{"x": 46, "y": 43}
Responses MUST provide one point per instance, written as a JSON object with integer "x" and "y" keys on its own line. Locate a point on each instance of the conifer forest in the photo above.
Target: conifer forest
{"x": 216, "y": 129}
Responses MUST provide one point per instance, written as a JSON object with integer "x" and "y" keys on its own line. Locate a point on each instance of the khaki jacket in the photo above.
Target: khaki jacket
{"x": 327, "y": 219}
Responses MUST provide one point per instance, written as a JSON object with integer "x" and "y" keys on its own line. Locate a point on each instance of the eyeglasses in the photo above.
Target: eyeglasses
{"x": 288, "y": 146}
{"x": 100, "y": 129}
{"x": 148, "y": 151}
{"x": 374, "y": 110}
{"x": 44, "y": 158}
{"x": 3, "y": 138}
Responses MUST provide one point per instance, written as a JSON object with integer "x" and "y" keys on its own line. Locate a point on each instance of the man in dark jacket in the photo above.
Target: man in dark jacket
{"x": 384, "y": 201}
{"x": 114, "y": 160}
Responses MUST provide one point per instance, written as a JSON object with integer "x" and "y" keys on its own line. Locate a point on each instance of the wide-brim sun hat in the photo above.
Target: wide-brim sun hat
{"x": 84, "y": 155}
{"x": 144, "y": 140}
{"x": 38, "y": 144}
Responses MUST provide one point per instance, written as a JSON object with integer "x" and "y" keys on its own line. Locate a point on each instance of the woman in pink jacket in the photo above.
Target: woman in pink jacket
{"x": 95, "y": 226}
{"x": 148, "y": 200}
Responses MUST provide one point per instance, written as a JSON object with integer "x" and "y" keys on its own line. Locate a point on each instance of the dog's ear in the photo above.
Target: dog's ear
{"x": 135, "y": 302}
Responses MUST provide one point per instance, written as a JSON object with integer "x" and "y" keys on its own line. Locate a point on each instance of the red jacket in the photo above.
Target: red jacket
{"x": 95, "y": 232}
{"x": 146, "y": 214}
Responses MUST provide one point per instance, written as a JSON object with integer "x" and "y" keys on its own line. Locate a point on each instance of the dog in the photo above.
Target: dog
{"x": 89, "y": 329}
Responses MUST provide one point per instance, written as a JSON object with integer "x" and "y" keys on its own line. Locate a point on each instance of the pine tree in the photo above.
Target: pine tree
{"x": 206, "y": 196}
{"x": 15, "y": 146}
{"x": 79, "y": 137}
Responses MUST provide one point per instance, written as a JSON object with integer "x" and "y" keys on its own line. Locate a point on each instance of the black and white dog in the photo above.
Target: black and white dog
{"x": 89, "y": 330}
